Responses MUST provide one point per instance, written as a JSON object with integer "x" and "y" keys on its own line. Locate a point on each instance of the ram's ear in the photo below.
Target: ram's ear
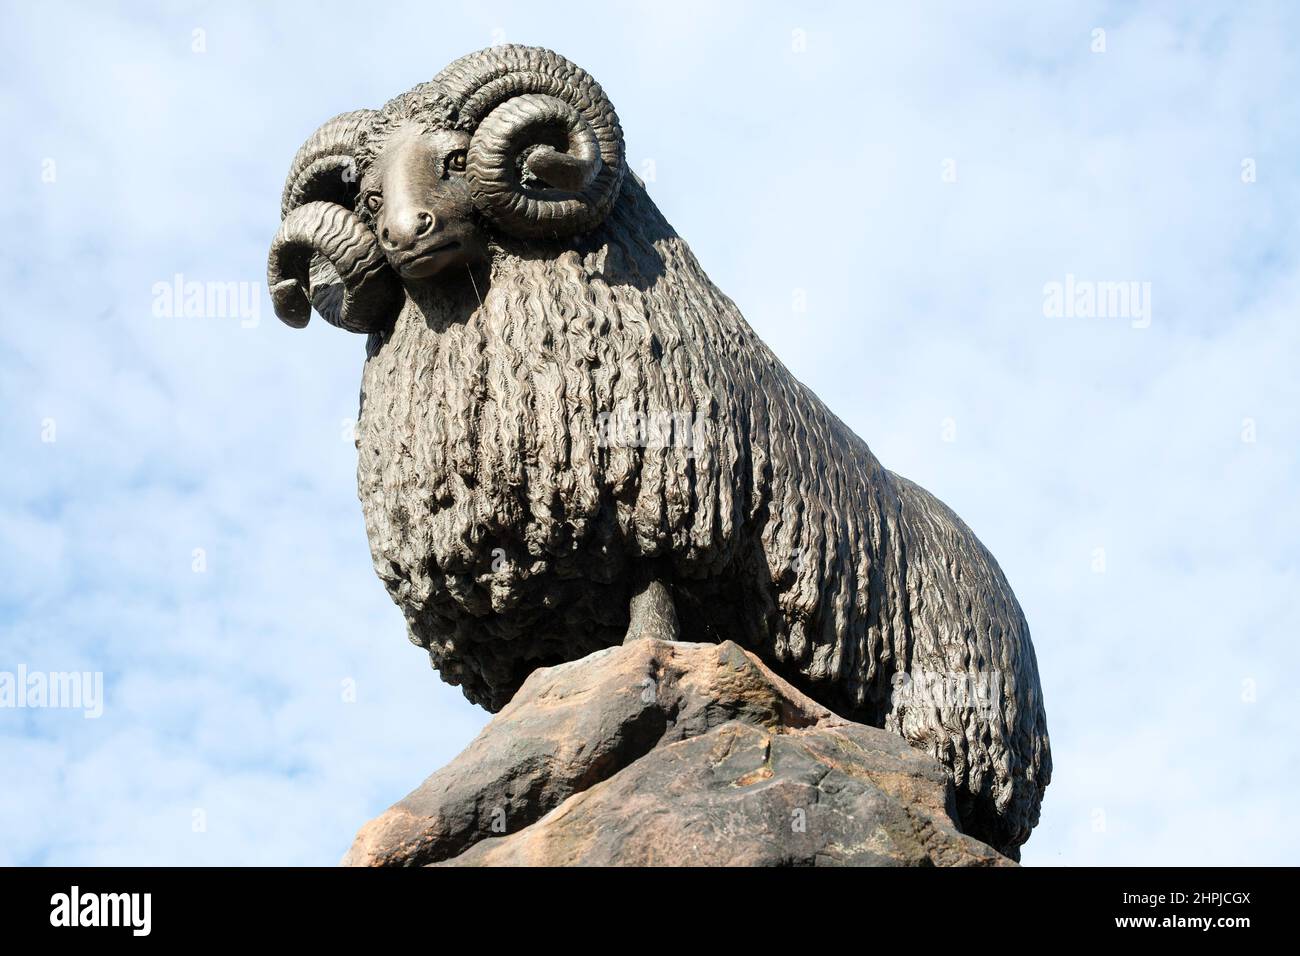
{"x": 562, "y": 170}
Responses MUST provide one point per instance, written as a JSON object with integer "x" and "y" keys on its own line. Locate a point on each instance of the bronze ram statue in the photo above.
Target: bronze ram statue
{"x": 568, "y": 433}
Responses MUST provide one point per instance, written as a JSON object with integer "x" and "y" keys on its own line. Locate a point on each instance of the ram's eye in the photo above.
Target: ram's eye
{"x": 374, "y": 201}
{"x": 456, "y": 161}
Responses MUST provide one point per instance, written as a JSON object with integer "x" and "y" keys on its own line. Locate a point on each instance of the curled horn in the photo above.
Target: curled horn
{"x": 546, "y": 157}
{"x": 325, "y": 251}
{"x": 323, "y": 254}
{"x": 324, "y": 166}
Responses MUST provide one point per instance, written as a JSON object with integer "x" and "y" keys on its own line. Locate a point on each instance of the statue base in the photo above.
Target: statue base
{"x": 665, "y": 753}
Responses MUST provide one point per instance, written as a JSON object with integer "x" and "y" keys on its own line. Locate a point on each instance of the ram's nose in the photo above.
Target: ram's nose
{"x": 401, "y": 232}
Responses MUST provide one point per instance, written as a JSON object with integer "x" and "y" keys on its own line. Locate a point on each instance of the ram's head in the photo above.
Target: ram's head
{"x": 512, "y": 141}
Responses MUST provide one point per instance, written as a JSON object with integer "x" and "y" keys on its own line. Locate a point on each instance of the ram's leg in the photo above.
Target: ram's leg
{"x": 651, "y": 611}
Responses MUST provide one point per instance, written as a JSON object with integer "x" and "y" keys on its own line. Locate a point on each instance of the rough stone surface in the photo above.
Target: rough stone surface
{"x": 666, "y": 753}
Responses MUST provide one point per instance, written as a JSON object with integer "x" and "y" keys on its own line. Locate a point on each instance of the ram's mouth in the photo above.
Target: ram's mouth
{"x": 426, "y": 262}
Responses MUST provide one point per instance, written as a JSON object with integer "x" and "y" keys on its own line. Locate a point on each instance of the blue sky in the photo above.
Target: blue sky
{"x": 884, "y": 192}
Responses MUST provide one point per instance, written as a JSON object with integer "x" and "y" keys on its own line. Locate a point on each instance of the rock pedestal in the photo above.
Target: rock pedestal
{"x": 665, "y": 753}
